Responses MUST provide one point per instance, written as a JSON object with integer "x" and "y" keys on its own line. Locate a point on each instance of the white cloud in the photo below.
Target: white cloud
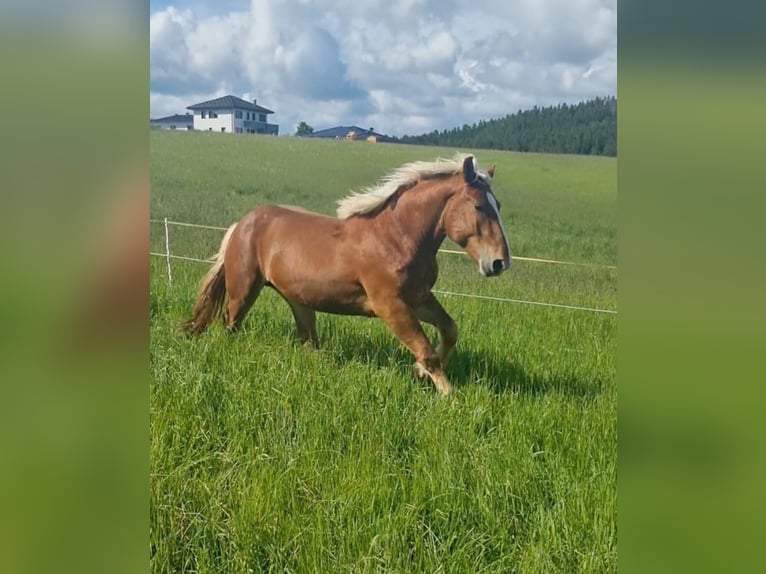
{"x": 438, "y": 48}
{"x": 402, "y": 66}
{"x": 467, "y": 78}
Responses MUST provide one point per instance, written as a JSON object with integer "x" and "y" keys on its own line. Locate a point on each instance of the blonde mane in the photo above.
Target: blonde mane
{"x": 371, "y": 198}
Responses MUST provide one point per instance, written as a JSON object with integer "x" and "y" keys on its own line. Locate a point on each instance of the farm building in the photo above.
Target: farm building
{"x": 354, "y": 133}
{"x": 174, "y": 122}
{"x": 230, "y": 114}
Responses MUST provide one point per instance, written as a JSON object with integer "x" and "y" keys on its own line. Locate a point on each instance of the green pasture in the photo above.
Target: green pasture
{"x": 270, "y": 457}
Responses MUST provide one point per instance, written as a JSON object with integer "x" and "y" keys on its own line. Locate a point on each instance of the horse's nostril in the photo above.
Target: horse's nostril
{"x": 497, "y": 265}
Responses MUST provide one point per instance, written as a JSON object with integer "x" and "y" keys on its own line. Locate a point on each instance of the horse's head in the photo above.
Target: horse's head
{"x": 472, "y": 220}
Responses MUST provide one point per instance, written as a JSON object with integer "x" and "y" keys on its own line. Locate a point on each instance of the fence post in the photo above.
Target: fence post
{"x": 167, "y": 252}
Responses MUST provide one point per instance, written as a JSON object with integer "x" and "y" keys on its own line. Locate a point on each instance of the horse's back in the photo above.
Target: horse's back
{"x": 299, "y": 209}
{"x": 272, "y": 212}
{"x": 293, "y": 232}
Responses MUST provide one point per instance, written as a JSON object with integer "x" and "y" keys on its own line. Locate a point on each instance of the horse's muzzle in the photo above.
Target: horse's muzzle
{"x": 493, "y": 267}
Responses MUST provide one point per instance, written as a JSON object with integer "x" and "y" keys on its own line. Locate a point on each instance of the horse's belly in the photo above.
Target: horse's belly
{"x": 327, "y": 297}
{"x": 344, "y": 308}
{"x": 318, "y": 274}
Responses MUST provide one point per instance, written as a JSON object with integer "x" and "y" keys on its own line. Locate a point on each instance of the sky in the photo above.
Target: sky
{"x": 403, "y": 67}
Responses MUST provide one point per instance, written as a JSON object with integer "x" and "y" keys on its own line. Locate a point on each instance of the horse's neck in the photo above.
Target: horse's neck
{"x": 417, "y": 216}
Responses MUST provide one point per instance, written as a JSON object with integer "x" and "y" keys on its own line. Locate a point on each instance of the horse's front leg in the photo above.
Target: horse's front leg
{"x": 433, "y": 313}
{"x": 403, "y": 322}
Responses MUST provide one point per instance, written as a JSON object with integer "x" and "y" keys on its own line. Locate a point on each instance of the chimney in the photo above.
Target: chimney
{"x": 255, "y": 102}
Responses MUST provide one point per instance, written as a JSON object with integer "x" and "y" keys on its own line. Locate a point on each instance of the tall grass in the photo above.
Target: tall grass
{"x": 267, "y": 456}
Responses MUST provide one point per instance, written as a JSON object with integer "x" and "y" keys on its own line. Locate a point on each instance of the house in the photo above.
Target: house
{"x": 231, "y": 114}
{"x": 353, "y": 133}
{"x": 174, "y": 122}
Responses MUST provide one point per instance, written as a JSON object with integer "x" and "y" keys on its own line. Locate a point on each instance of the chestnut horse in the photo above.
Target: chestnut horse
{"x": 377, "y": 258}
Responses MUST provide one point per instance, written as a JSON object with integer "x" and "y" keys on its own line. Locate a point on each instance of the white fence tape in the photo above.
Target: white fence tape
{"x": 506, "y": 300}
{"x": 168, "y": 256}
{"x": 208, "y": 261}
{"x": 452, "y": 251}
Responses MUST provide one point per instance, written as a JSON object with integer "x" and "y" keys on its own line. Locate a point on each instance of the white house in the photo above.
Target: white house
{"x": 231, "y": 114}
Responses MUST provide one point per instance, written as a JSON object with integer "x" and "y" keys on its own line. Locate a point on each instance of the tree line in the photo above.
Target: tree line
{"x": 588, "y": 128}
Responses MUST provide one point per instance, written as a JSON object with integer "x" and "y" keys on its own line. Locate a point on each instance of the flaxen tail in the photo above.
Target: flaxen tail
{"x": 212, "y": 292}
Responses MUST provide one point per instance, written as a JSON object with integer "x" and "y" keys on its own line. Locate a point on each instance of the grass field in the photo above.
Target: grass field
{"x": 270, "y": 457}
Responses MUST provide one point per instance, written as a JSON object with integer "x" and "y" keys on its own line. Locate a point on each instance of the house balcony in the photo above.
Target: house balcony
{"x": 261, "y": 127}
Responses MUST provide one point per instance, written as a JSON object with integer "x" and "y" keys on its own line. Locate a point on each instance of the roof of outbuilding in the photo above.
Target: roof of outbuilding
{"x": 343, "y": 131}
{"x": 228, "y": 102}
{"x": 175, "y": 118}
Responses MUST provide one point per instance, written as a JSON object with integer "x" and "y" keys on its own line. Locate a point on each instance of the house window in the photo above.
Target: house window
{"x": 203, "y": 114}
{"x": 262, "y": 118}
{"x": 238, "y": 114}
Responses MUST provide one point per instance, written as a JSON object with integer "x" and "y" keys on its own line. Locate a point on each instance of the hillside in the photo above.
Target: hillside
{"x": 267, "y": 456}
{"x": 588, "y": 128}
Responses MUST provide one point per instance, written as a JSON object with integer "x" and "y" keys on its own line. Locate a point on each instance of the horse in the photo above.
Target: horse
{"x": 377, "y": 258}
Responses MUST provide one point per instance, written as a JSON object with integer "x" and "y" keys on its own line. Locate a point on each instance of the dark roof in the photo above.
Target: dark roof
{"x": 342, "y": 131}
{"x": 174, "y": 119}
{"x": 228, "y": 102}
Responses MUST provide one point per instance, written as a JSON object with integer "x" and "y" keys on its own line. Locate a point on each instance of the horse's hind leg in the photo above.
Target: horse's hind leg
{"x": 305, "y": 320}
{"x": 243, "y": 288}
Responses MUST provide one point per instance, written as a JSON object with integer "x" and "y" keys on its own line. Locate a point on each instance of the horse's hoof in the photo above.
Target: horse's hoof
{"x": 445, "y": 389}
{"x": 420, "y": 371}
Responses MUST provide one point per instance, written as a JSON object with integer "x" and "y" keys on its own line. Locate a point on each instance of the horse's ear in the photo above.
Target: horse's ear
{"x": 469, "y": 169}
{"x": 491, "y": 171}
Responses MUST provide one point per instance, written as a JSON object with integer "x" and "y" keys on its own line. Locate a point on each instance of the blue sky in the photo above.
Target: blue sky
{"x": 400, "y": 66}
